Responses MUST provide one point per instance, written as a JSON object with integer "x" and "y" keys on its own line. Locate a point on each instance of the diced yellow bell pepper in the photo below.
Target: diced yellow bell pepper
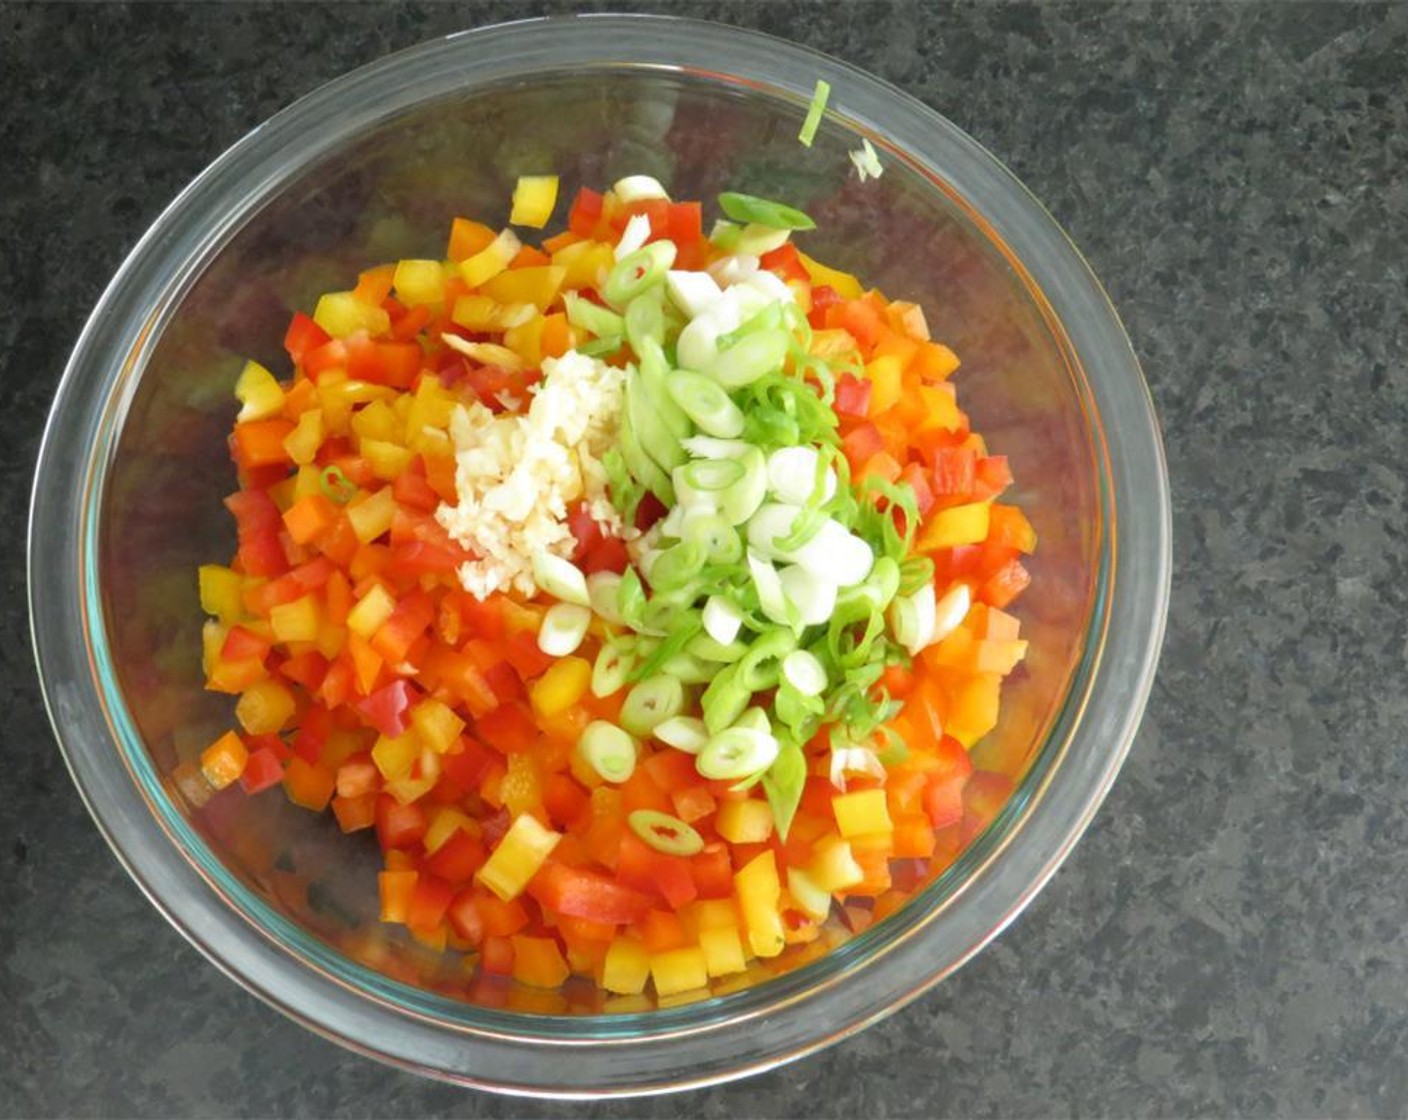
{"x": 341, "y": 314}
{"x": 419, "y": 282}
{"x": 212, "y": 641}
{"x": 522, "y": 787}
{"x": 587, "y": 262}
{"x": 258, "y": 392}
{"x": 534, "y": 197}
{"x": 491, "y": 260}
{"x": 297, "y": 621}
{"x": 834, "y": 867}
{"x": 307, "y": 436}
{"x": 538, "y": 962}
{"x": 537, "y": 285}
{"x": 861, "y": 813}
{"x": 388, "y": 460}
{"x": 564, "y": 683}
{"x": 973, "y": 710}
{"x": 627, "y": 967}
{"x": 467, "y": 238}
{"x": 526, "y": 339}
{"x": 745, "y": 822}
{"x": 957, "y": 525}
{"x": 378, "y": 421}
{"x": 886, "y": 376}
{"x": 938, "y": 409}
{"x": 723, "y": 951}
{"x": 338, "y": 396}
{"x": 436, "y": 723}
{"x": 842, "y": 283}
{"x": 710, "y": 913}
{"x": 833, "y": 344}
{"x": 395, "y": 757}
{"x": 679, "y": 970}
{"x": 443, "y": 825}
{"x": 484, "y": 313}
{"x": 759, "y": 890}
{"x": 265, "y": 707}
{"x": 525, "y": 846}
{"x": 307, "y": 482}
{"x": 220, "y": 589}
{"x": 224, "y": 760}
{"x": 370, "y": 611}
{"x": 372, "y": 515}
{"x": 408, "y": 789}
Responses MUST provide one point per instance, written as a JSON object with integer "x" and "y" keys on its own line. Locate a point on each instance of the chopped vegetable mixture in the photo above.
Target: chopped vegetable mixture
{"x": 642, "y": 592}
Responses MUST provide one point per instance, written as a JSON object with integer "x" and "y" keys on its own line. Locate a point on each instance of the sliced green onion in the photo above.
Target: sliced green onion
{"x": 756, "y": 719}
{"x": 912, "y": 620}
{"x": 712, "y": 474}
{"x": 715, "y": 536}
{"x": 676, "y": 566}
{"x": 665, "y": 833}
{"x": 643, "y": 468}
{"x": 750, "y": 358}
{"x": 630, "y": 599}
{"x": 757, "y": 240}
{"x": 560, "y": 578}
{"x": 800, "y": 477}
{"x": 635, "y": 235}
{"x": 563, "y": 628}
{"x": 814, "y": 596}
{"x": 814, "y": 112}
{"x": 722, "y": 619}
{"x": 679, "y": 632}
{"x": 769, "y": 317}
{"x": 804, "y": 672}
{"x": 688, "y": 669}
{"x": 335, "y": 485}
{"x": 649, "y": 424}
{"x": 735, "y": 753}
{"x": 773, "y": 521}
{"x": 604, "y": 595}
{"x": 739, "y": 501}
{"x": 763, "y": 212}
{"x": 651, "y": 702}
{"x": 638, "y": 188}
{"x": 705, "y": 402}
{"x": 783, "y": 783}
{"x": 724, "y": 700}
{"x": 950, "y": 611}
{"x": 692, "y": 292}
{"x": 724, "y": 235}
{"x": 600, "y": 321}
{"x": 773, "y": 602}
{"x": 638, "y": 272}
{"x": 837, "y": 554}
{"x": 645, "y": 320}
{"x": 625, "y": 492}
{"x": 608, "y": 750}
{"x": 684, "y": 733}
{"x": 707, "y": 648}
{"x": 613, "y": 667}
{"x": 600, "y": 347}
{"x": 915, "y": 572}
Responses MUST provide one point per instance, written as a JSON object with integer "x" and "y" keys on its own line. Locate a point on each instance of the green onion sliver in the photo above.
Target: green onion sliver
{"x": 604, "y": 596}
{"x": 608, "y": 750}
{"x": 740, "y": 500}
{"x": 712, "y": 474}
{"x": 763, "y": 212}
{"x": 600, "y": 347}
{"x": 714, "y": 536}
{"x": 600, "y": 321}
{"x": 750, "y": 358}
{"x": 736, "y": 753}
{"x": 650, "y": 703}
{"x": 684, "y": 733}
{"x": 724, "y": 700}
{"x": 705, "y": 402}
{"x": 814, "y": 112}
{"x": 645, "y": 321}
{"x": 335, "y": 485}
{"x": 560, "y": 578}
{"x": 563, "y": 628}
{"x": 638, "y": 272}
{"x": 613, "y": 667}
{"x": 665, "y": 833}
{"x": 804, "y": 671}
{"x": 722, "y": 619}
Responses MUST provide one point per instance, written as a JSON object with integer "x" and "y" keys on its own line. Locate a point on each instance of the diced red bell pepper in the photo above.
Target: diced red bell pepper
{"x": 585, "y": 213}
{"x": 457, "y": 859}
{"x": 992, "y": 477}
{"x": 412, "y": 489}
{"x": 918, "y": 480}
{"x": 954, "y": 472}
{"x": 429, "y": 901}
{"x": 388, "y": 709}
{"x": 509, "y": 728}
{"x": 303, "y": 335}
{"x": 1004, "y": 585}
{"x": 713, "y": 871}
{"x": 607, "y": 555}
{"x": 852, "y": 397}
{"x": 397, "y": 825}
{"x": 408, "y": 621}
{"x": 824, "y": 297}
{"x": 861, "y": 444}
{"x": 785, "y": 262}
{"x": 586, "y": 894}
{"x": 263, "y": 769}
{"x": 465, "y": 767}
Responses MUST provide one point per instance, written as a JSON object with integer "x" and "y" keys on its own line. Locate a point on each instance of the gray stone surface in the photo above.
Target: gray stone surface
{"x": 1228, "y": 939}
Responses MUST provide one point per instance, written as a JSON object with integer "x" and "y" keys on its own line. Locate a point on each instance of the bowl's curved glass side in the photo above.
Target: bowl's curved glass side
{"x": 394, "y": 189}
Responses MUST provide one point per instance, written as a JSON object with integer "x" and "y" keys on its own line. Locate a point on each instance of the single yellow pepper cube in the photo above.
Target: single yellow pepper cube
{"x": 525, "y": 846}
{"x": 370, "y": 612}
{"x": 957, "y": 525}
{"x": 446, "y": 823}
{"x": 491, "y": 260}
{"x": 220, "y": 589}
{"x": 395, "y": 757}
{"x": 759, "y": 891}
{"x": 307, "y": 436}
{"x": 419, "y": 282}
{"x": 534, "y": 197}
{"x": 861, "y": 813}
{"x": 224, "y": 760}
{"x": 842, "y": 283}
{"x": 373, "y": 515}
{"x": 834, "y": 867}
{"x": 564, "y": 684}
{"x": 745, "y": 822}
{"x": 679, "y": 970}
{"x": 723, "y": 951}
{"x": 265, "y": 707}
{"x": 258, "y": 392}
{"x": 437, "y": 724}
{"x": 342, "y": 314}
{"x": 298, "y": 621}
{"x": 626, "y": 968}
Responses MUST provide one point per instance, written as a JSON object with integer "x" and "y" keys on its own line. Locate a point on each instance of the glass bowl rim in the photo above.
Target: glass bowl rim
{"x": 1005, "y": 869}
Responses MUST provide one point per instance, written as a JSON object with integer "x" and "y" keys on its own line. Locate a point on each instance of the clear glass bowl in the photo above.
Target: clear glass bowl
{"x": 373, "y": 166}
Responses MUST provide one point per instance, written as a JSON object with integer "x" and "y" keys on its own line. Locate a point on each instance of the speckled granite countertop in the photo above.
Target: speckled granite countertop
{"x": 1229, "y": 937}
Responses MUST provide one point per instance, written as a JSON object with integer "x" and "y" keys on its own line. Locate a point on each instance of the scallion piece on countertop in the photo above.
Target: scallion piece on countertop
{"x": 814, "y": 112}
